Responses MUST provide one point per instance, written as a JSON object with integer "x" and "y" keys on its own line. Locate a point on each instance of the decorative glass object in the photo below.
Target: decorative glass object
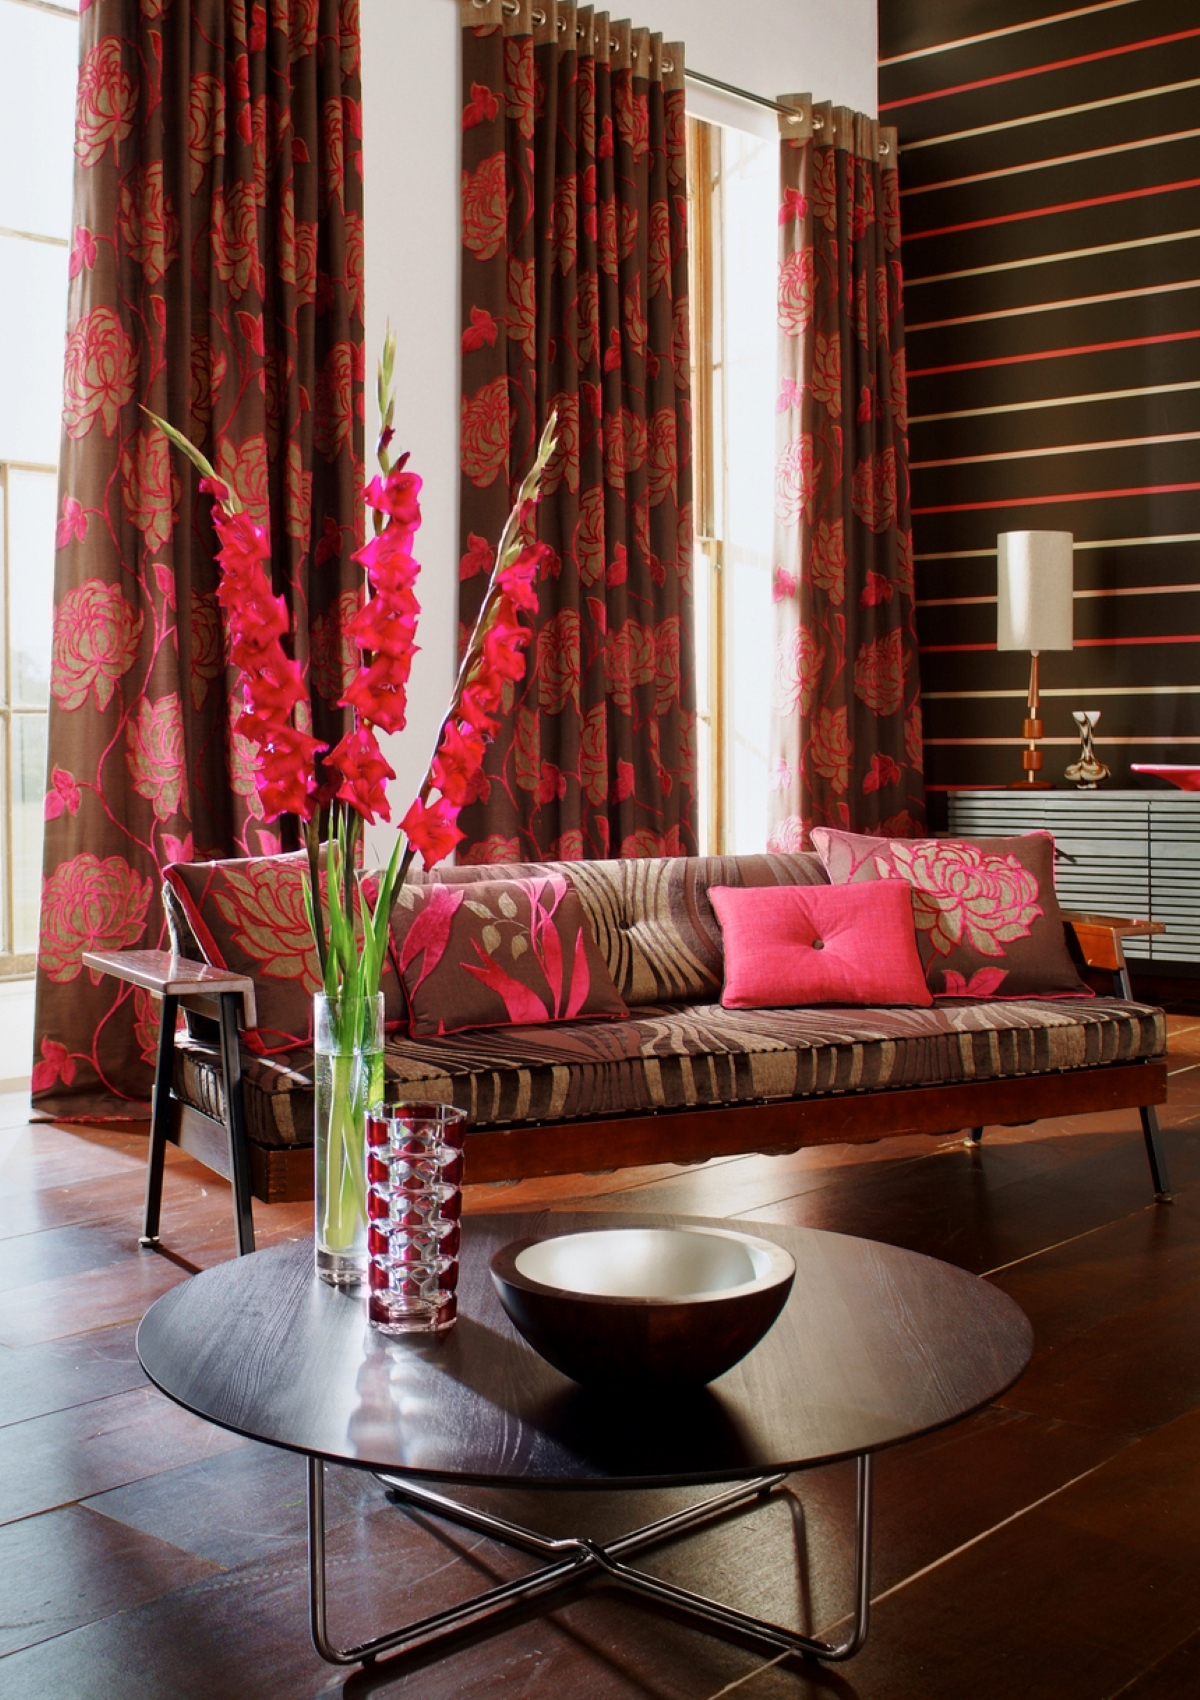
{"x": 414, "y": 1171}
{"x": 348, "y": 1065}
{"x": 1089, "y": 770}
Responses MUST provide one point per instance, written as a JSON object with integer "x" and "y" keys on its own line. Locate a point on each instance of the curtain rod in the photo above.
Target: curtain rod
{"x": 745, "y": 94}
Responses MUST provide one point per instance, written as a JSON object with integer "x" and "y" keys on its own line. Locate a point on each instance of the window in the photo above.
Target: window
{"x": 38, "y": 56}
{"x": 27, "y": 501}
{"x": 733, "y": 183}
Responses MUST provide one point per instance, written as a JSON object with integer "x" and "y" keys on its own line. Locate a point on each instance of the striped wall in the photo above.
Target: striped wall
{"x": 1050, "y": 173}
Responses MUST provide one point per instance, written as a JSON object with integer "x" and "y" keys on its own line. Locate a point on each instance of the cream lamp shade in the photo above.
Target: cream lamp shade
{"x": 1034, "y": 582}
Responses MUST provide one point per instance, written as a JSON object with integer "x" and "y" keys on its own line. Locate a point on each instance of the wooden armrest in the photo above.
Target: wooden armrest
{"x": 1118, "y": 924}
{"x": 195, "y": 984}
{"x": 1099, "y": 936}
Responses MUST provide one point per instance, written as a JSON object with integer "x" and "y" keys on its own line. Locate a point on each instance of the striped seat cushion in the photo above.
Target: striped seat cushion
{"x": 675, "y": 1057}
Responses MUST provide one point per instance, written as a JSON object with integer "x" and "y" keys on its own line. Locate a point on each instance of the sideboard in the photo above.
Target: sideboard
{"x": 1134, "y": 853}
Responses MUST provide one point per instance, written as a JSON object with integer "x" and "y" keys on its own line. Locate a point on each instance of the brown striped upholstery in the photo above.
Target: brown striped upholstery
{"x": 673, "y": 1057}
{"x": 652, "y": 918}
{"x": 680, "y": 1050}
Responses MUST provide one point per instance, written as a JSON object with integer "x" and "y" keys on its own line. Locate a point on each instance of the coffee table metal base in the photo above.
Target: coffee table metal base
{"x": 574, "y": 1559}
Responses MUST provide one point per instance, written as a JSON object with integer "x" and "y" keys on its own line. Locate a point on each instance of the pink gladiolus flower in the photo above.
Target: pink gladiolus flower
{"x": 388, "y": 560}
{"x": 396, "y": 495}
{"x": 239, "y": 535}
{"x": 475, "y": 707}
{"x": 364, "y": 773}
{"x": 517, "y": 579}
{"x": 276, "y": 687}
{"x": 379, "y": 692}
{"x": 430, "y": 829}
{"x": 388, "y": 623}
{"x": 457, "y": 763}
{"x": 504, "y": 650}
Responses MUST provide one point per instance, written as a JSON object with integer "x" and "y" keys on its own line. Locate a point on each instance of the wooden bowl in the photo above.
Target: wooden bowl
{"x": 671, "y": 1306}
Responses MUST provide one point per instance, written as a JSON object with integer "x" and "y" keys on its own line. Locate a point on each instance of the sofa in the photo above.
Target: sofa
{"x": 681, "y": 1079}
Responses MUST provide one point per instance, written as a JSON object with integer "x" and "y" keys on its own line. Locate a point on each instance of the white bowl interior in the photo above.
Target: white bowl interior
{"x": 644, "y": 1263}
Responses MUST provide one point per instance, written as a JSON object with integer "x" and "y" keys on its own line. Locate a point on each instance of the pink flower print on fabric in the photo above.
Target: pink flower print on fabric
{"x": 965, "y": 895}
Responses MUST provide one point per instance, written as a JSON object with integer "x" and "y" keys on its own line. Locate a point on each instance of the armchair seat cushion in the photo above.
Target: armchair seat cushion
{"x": 694, "y": 1056}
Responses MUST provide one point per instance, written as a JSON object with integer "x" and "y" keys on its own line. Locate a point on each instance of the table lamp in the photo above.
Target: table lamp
{"x": 1034, "y": 611}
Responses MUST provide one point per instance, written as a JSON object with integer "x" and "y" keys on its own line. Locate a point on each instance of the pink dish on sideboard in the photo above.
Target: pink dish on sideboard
{"x": 1186, "y": 778}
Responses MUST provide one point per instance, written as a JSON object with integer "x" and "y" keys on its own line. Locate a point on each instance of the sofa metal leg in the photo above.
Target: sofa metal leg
{"x": 1152, "y": 1134}
{"x": 160, "y": 1118}
{"x": 1151, "y": 1131}
{"x": 974, "y": 1136}
{"x": 235, "y": 1122}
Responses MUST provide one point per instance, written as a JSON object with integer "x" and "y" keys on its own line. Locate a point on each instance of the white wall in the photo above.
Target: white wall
{"x": 411, "y": 137}
{"x": 411, "y": 162}
{"x": 826, "y": 48}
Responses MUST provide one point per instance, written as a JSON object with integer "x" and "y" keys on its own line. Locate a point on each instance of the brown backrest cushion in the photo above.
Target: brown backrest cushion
{"x": 988, "y": 921}
{"x": 247, "y": 915}
{"x": 499, "y": 953}
{"x": 651, "y": 917}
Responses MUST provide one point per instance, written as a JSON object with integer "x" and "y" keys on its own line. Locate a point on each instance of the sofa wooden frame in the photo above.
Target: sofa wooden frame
{"x": 771, "y": 1127}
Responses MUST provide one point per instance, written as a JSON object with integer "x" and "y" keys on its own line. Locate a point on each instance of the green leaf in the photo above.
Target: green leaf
{"x": 198, "y": 460}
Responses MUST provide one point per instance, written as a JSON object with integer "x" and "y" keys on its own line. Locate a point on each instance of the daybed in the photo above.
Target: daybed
{"x": 681, "y": 1080}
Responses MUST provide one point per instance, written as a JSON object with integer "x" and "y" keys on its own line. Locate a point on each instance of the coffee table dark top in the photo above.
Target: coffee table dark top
{"x": 876, "y": 1345}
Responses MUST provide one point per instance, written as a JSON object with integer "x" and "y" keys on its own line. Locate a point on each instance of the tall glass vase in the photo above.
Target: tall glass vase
{"x": 348, "y": 1065}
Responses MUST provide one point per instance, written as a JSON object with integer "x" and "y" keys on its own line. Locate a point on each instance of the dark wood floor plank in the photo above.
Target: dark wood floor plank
{"x": 1130, "y": 1374}
{"x": 71, "y": 1567}
{"x": 246, "y": 1634}
{"x": 73, "y": 1454}
{"x": 35, "y": 1380}
{"x": 64, "y": 1305}
{"x": 983, "y": 1209}
{"x": 60, "y": 1252}
{"x": 235, "y": 1507}
{"x": 1176, "y": 1676}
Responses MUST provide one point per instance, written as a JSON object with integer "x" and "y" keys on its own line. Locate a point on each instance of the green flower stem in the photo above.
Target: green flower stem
{"x": 345, "y": 1156}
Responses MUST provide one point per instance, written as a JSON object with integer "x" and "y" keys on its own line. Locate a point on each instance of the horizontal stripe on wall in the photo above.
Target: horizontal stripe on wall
{"x": 1080, "y": 643}
{"x": 1009, "y": 455}
{"x": 1056, "y": 401}
{"x": 1005, "y": 30}
{"x": 1079, "y": 109}
{"x": 989, "y": 318}
{"x": 1080, "y": 543}
{"x": 1057, "y": 353}
{"x": 1099, "y": 690}
{"x": 1047, "y": 164}
{"x": 1079, "y": 595}
{"x": 1058, "y": 257}
{"x": 1055, "y": 500}
{"x": 998, "y": 743}
{"x": 1040, "y": 70}
{"x": 1053, "y": 211}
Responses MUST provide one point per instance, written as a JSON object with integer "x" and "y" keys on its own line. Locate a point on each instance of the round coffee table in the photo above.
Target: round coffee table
{"x": 875, "y": 1346}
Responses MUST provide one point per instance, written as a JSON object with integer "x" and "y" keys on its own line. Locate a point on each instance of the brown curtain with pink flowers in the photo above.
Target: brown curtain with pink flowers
{"x": 574, "y": 297}
{"x": 846, "y": 722}
{"x": 216, "y": 276}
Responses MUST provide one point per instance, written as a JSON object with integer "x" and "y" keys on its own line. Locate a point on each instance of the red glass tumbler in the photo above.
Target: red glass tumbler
{"x": 414, "y": 1209}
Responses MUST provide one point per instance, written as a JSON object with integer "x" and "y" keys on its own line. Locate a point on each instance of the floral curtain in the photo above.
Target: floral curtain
{"x": 846, "y": 724}
{"x": 574, "y": 292}
{"x": 216, "y": 272}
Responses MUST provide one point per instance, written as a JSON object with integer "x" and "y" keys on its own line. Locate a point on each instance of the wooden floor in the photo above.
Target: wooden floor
{"x": 1048, "y": 1547}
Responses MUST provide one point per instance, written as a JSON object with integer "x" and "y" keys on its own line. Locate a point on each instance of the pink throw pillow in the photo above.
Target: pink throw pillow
{"x": 812, "y": 944}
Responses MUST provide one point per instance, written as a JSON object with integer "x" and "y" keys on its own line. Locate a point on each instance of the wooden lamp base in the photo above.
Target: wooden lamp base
{"x": 1031, "y": 756}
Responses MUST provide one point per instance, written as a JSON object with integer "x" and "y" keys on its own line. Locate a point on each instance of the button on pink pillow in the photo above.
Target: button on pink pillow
{"x": 811, "y": 944}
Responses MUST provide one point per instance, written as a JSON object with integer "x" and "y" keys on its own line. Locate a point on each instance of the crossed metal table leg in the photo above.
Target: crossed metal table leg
{"x": 573, "y": 1559}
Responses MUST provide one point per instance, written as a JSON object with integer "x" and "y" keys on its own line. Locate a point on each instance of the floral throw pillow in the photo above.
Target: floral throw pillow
{"x": 499, "y": 953}
{"x": 987, "y": 918}
{"x": 248, "y": 916}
